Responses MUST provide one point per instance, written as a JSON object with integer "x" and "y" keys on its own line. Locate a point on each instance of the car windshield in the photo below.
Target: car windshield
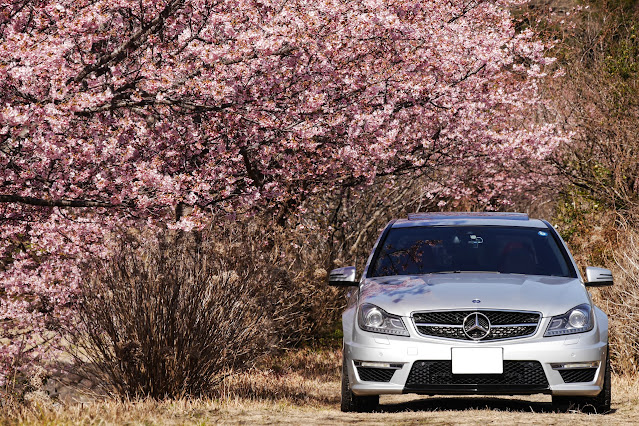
{"x": 439, "y": 249}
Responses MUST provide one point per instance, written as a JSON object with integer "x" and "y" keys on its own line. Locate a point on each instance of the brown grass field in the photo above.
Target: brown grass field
{"x": 303, "y": 388}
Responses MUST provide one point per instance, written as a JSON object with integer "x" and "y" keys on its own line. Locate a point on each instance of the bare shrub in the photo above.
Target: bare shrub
{"x": 621, "y": 302}
{"x": 293, "y": 261}
{"x": 167, "y": 316}
{"x": 599, "y": 103}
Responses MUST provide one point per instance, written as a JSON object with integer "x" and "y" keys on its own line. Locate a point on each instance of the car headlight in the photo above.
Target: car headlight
{"x": 377, "y": 320}
{"x": 577, "y": 320}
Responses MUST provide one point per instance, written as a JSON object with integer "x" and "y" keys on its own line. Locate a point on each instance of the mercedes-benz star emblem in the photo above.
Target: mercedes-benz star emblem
{"x": 476, "y": 326}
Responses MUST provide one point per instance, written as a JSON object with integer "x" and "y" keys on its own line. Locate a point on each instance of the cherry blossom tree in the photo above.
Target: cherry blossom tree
{"x": 122, "y": 113}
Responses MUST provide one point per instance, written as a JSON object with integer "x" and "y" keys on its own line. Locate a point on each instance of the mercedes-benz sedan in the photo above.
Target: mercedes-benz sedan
{"x": 463, "y": 303}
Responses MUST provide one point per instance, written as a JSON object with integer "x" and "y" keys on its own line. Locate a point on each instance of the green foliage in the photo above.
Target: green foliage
{"x": 587, "y": 226}
{"x": 570, "y": 213}
{"x": 333, "y": 338}
{"x": 622, "y": 60}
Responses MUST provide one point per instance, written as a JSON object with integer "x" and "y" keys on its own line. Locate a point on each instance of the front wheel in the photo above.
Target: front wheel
{"x": 599, "y": 404}
{"x": 352, "y": 402}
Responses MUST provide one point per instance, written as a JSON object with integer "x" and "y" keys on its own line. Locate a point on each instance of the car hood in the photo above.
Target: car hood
{"x": 402, "y": 295}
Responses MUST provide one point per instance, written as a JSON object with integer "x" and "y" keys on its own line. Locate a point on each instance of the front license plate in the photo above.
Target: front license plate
{"x": 478, "y": 360}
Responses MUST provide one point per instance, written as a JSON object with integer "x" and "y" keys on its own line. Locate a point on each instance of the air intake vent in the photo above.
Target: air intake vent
{"x": 369, "y": 374}
{"x": 580, "y": 375}
{"x": 425, "y": 374}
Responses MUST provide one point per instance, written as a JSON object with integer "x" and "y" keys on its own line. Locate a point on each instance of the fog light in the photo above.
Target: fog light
{"x": 572, "y": 365}
{"x": 374, "y": 364}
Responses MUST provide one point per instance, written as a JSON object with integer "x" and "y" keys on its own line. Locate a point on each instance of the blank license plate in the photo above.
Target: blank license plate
{"x": 478, "y": 360}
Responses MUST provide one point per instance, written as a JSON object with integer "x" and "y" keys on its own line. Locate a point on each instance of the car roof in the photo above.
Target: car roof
{"x": 469, "y": 219}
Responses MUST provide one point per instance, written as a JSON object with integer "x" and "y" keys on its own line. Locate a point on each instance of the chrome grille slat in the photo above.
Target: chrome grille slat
{"x": 449, "y": 324}
{"x": 514, "y": 325}
{"x": 425, "y": 324}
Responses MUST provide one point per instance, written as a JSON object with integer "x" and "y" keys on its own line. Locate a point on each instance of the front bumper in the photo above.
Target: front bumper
{"x": 556, "y": 355}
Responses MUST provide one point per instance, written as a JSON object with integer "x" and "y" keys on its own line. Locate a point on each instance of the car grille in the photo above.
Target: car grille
{"x": 503, "y": 324}
{"x": 520, "y": 374}
{"x": 578, "y": 375}
{"x": 369, "y": 374}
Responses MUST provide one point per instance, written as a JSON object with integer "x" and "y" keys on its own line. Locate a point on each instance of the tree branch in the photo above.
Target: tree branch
{"x": 190, "y": 106}
{"x": 32, "y": 201}
{"x": 132, "y": 43}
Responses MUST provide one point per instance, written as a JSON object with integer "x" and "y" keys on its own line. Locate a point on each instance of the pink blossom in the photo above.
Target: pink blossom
{"x": 232, "y": 106}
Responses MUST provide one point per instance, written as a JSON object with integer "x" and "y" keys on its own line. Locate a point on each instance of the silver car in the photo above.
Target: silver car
{"x": 473, "y": 303}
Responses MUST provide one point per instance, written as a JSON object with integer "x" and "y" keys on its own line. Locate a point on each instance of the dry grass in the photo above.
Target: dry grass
{"x": 302, "y": 387}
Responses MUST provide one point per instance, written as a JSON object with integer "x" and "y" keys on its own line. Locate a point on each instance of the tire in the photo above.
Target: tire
{"x": 352, "y": 402}
{"x": 599, "y": 404}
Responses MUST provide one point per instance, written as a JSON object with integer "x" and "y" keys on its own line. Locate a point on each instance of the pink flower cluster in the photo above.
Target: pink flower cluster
{"x": 115, "y": 113}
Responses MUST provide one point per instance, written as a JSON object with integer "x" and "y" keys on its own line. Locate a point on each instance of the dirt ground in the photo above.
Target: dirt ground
{"x": 303, "y": 388}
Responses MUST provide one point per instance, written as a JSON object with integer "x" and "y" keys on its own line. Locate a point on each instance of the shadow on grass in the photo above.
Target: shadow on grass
{"x": 317, "y": 365}
{"x": 469, "y": 403}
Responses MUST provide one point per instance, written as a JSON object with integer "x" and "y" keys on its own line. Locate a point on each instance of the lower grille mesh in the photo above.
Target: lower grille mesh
{"x": 578, "y": 375}
{"x": 516, "y": 373}
{"x": 369, "y": 374}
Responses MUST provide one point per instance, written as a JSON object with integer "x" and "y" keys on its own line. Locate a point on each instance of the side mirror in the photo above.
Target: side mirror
{"x": 342, "y": 277}
{"x": 598, "y": 277}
